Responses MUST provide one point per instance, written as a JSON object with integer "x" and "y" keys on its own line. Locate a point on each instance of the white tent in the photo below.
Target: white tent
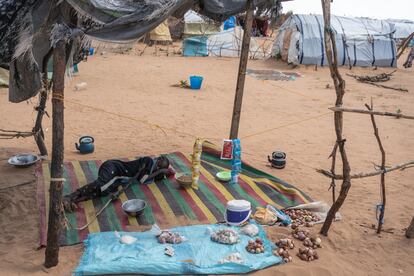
{"x": 359, "y": 41}
{"x": 228, "y": 44}
{"x": 161, "y": 34}
{"x": 194, "y": 24}
{"x": 403, "y": 28}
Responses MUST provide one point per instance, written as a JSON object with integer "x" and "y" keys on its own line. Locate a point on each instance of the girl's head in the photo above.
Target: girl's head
{"x": 161, "y": 167}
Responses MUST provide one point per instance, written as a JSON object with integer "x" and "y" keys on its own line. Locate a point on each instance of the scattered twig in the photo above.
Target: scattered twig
{"x": 388, "y": 87}
{"x": 362, "y": 111}
{"x": 402, "y": 166}
{"x": 10, "y": 134}
{"x": 376, "y": 78}
{"x": 17, "y": 185}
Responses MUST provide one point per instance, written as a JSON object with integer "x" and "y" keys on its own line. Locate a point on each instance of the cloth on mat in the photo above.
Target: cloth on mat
{"x": 104, "y": 254}
{"x": 166, "y": 201}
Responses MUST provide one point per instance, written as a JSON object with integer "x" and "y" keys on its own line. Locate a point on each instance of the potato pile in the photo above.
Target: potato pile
{"x": 284, "y": 254}
{"x": 255, "y": 246}
{"x": 302, "y": 217}
{"x": 313, "y": 242}
{"x": 308, "y": 254}
{"x": 283, "y": 250}
{"x": 285, "y": 244}
{"x": 300, "y": 234}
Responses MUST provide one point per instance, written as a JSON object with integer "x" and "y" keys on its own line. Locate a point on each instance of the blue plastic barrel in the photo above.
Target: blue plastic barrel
{"x": 91, "y": 51}
{"x": 195, "y": 82}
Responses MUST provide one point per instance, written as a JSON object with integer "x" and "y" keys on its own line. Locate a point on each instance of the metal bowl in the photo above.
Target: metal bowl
{"x": 184, "y": 179}
{"x": 134, "y": 207}
{"x": 23, "y": 160}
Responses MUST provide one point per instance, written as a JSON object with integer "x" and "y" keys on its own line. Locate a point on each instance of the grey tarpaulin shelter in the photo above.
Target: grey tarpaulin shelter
{"x": 359, "y": 41}
{"x": 403, "y": 28}
{"x": 31, "y": 30}
{"x": 26, "y": 29}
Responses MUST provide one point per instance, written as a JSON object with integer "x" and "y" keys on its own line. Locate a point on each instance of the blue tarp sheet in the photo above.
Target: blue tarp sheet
{"x": 195, "y": 46}
{"x": 230, "y": 23}
{"x": 197, "y": 255}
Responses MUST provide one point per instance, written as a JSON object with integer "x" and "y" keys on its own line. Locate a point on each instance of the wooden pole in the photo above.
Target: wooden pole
{"x": 410, "y": 230}
{"x": 330, "y": 47}
{"x": 381, "y": 147}
{"x": 56, "y": 182}
{"x": 362, "y": 111}
{"x": 244, "y": 56}
{"x": 333, "y": 184}
{"x": 38, "y": 129}
{"x": 401, "y": 166}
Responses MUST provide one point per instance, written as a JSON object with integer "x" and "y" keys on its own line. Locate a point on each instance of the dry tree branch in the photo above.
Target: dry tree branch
{"x": 331, "y": 54}
{"x": 402, "y": 166}
{"x": 381, "y": 147}
{"x": 362, "y": 111}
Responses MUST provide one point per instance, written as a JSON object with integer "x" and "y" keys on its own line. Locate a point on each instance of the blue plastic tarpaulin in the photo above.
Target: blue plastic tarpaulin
{"x": 195, "y": 46}
{"x": 105, "y": 254}
{"x": 230, "y": 23}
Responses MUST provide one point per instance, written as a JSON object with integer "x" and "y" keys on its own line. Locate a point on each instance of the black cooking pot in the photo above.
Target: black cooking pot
{"x": 278, "y": 159}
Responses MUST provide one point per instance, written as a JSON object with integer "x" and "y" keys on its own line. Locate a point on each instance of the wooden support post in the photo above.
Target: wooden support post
{"x": 330, "y": 46}
{"x": 244, "y": 56}
{"x": 381, "y": 147}
{"x": 55, "y": 202}
{"x": 410, "y": 230}
{"x": 38, "y": 129}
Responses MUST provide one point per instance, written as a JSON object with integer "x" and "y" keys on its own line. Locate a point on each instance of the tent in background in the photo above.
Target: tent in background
{"x": 4, "y": 77}
{"x": 161, "y": 34}
{"x": 224, "y": 44}
{"x": 195, "y": 25}
{"x": 403, "y": 28}
{"x": 359, "y": 41}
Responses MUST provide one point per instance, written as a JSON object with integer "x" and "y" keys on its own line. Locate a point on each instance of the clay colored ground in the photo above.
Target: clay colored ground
{"x": 131, "y": 109}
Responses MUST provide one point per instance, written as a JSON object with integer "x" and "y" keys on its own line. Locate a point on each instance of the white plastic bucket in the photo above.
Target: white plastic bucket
{"x": 238, "y": 212}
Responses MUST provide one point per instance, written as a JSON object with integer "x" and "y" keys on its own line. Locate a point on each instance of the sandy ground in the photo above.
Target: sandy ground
{"x": 131, "y": 109}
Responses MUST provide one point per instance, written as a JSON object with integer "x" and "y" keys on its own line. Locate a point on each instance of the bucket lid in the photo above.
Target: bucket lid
{"x": 239, "y": 205}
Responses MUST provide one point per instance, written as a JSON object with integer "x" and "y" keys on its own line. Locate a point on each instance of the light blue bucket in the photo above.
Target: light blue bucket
{"x": 195, "y": 82}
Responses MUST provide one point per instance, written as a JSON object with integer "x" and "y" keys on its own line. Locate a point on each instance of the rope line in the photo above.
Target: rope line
{"x": 163, "y": 129}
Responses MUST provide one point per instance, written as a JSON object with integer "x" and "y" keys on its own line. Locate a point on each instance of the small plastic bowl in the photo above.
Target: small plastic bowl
{"x": 224, "y": 176}
{"x": 134, "y": 207}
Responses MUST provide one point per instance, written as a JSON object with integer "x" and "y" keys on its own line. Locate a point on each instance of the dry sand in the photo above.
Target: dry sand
{"x": 153, "y": 117}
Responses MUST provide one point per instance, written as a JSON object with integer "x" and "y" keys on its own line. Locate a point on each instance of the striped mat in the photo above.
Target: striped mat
{"x": 167, "y": 202}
